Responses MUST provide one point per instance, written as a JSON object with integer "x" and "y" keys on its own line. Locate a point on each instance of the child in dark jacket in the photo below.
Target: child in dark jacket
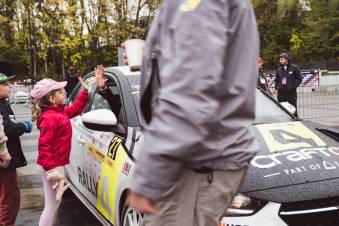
{"x": 9, "y": 187}
{"x": 54, "y": 146}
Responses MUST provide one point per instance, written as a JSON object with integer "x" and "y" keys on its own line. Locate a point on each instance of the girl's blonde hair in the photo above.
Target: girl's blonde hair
{"x": 40, "y": 104}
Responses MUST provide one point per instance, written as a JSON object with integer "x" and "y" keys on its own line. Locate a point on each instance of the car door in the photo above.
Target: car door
{"x": 94, "y": 159}
{"x": 76, "y": 171}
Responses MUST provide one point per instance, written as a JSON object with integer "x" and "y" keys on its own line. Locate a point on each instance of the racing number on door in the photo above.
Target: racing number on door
{"x": 113, "y": 147}
{"x": 287, "y": 136}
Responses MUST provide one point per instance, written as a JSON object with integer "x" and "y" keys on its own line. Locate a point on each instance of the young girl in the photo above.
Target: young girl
{"x": 53, "y": 121}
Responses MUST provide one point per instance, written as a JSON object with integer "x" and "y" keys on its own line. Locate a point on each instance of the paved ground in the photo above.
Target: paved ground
{"x": 71, "y": 213}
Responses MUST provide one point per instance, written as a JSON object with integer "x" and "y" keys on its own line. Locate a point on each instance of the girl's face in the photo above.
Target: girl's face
{"x": 59, "y": 97}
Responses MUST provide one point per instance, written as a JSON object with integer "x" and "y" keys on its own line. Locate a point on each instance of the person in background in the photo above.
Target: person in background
{"x": 72, "y": 80}
{"x": 288, "y": 78}
{"x": 9, "y": 186}
{"x": 261, "y": 81}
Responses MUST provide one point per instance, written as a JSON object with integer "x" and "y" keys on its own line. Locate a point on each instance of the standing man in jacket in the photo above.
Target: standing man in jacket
{"x": 287, "y": 79}
{"x": 9, "y": 186}
{"x": 197, "y": 103}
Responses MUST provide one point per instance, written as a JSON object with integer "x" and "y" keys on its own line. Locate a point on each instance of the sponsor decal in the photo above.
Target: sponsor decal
{"x": 273, "y": 160}
{"x": 98, "y": 155}
{"x": 301, "y": 156}
{"x": 109, "y": 179}
{"x": 126, "y": 168}
{"x": 287, "y": 136}
{"x": 325, "y": 165}
{"x": 88, "y": 182}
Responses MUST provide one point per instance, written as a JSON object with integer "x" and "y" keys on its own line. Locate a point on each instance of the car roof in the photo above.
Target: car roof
{"x": 125, "y": 70}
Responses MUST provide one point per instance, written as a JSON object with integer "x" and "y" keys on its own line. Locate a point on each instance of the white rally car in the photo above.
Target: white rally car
{"x": 293, "y": 181}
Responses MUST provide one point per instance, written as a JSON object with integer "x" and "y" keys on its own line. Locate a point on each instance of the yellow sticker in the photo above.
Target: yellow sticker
{"x": 190, "y": 5}
{"x": 286, "y": 136}
{"x": 109, "y": 180}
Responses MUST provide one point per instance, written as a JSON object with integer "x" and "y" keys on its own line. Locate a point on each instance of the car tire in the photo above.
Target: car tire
{"x": 131, "y": 217}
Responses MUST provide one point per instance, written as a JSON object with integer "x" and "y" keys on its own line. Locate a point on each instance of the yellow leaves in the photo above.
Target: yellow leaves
{"x": 296, "y": 41}
{"x": 55, "y": 1}
{"x": 3, "y": 44}
{"x": 71, "y": 8}
{"x": 75, "y": 58}
{"x": 3, "y": 19}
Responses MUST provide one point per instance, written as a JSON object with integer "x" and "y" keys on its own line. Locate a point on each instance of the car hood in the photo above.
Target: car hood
{"x": 292, "y": 154}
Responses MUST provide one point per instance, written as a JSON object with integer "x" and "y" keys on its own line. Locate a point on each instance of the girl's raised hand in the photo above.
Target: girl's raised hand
{"x": 100, "y": 79}
{"x": 83, "y": 84}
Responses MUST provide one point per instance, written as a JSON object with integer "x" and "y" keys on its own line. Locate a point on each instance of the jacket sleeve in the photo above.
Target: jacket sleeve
{"x": 78, "y": 106}
{"x": 276, "y": 80}
{"x": 298, "y": 78}
{"x": 188, "y": 98}
{"x": 113, "y": 101}
{"x": 3, "y": 139}
{"x": 11, "y": 128}
{"x": 46, "y": 144}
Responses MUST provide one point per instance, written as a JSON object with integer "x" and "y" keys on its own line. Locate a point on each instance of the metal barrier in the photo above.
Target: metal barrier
{"x": 318, "y": 101}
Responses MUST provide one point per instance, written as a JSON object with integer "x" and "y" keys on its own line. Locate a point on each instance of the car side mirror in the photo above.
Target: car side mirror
{"x": 100, "y": 120}
{"x": 289, "y": 107}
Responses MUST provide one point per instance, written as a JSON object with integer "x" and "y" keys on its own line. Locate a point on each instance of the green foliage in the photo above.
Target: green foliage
{"x": 84, "y": 33}
{"x": 66, "y": 33}
{"x": 311, "y": 37}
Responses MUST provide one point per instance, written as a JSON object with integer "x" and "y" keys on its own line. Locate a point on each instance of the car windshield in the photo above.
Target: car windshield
{"x": 266, "y": 109}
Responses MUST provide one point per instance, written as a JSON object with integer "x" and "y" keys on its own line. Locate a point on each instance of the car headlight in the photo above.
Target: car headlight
{"x": 243, "y": 205}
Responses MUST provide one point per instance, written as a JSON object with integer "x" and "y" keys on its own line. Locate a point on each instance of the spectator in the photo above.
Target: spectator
{"x": 261, "y": 81}
{"x": 287, "y": 79}
{"x": 9, "y": 187}
{"x": 72, "y": 80}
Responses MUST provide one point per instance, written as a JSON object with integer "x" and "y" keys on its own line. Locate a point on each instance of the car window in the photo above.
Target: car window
{"x": 268, "y": 111}
{"x": 99, "y": 102}
{"x": 113, "y": 102}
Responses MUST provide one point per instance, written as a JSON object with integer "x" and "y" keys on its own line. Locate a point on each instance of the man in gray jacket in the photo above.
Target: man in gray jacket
{"x": 197, "y": 104}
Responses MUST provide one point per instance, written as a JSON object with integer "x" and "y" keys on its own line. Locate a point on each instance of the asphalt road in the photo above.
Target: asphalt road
{"x": 71, "y": 212}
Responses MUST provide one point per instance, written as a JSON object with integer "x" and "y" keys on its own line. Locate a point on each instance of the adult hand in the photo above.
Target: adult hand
{"x": 84, "y": 87}
{"x": 141, "y": 203}
{"x": 28, "y": 126}
{"x": 5, "y": 159}
{"x": 100, "y": 79}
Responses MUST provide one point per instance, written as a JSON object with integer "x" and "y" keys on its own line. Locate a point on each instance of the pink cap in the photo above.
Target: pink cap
{"x": 45, "y": 86}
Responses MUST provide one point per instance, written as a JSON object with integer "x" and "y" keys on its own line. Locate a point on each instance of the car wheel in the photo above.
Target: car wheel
{"x": 130, "y": 217}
